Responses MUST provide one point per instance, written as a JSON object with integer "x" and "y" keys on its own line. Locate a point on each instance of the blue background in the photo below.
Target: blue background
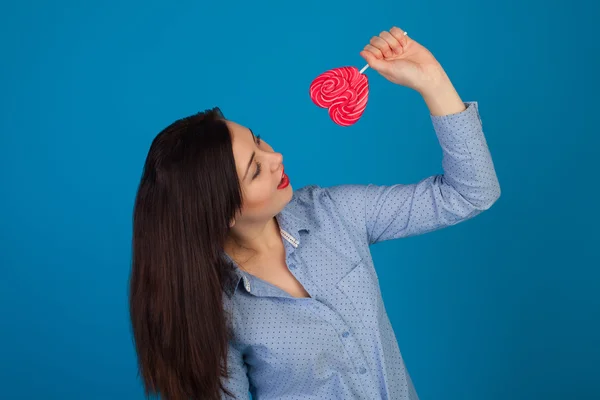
{"x": 506, "y": 305}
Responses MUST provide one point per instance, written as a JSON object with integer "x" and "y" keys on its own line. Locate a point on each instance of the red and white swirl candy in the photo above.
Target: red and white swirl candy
{"x": 344, "y": 91}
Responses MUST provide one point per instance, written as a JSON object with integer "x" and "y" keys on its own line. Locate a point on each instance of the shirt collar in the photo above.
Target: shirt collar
{"x": 290, "y": 220}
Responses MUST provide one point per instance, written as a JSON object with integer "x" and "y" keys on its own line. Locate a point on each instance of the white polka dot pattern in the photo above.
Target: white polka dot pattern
{"x": 339, "y": 343}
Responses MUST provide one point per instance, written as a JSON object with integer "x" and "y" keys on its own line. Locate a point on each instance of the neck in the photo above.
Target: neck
{"x": 256, "y": 241}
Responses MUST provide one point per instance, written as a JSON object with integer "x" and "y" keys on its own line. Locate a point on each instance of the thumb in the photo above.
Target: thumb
{"x": 375, "y": 63}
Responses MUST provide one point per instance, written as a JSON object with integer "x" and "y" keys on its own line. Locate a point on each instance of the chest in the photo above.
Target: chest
{"x": 278, "y": 274}
{"x": 275, "y": 271}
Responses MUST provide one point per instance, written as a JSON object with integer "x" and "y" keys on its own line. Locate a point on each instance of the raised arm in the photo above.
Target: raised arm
{"x": 467, "y": 186}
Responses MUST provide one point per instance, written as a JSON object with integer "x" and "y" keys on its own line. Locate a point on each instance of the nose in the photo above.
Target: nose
{"x": 278, "y": 161}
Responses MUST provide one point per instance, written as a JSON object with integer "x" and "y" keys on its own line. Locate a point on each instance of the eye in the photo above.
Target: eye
{"x": 258, "y": 166}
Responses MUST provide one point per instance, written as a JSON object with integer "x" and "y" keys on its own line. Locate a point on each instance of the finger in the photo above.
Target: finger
{"x": 376, "y": 63}
{"x": 369, "y": 57}
{"x": 382, "y": 45}
{"x": 392, "y": 42}
{"x": 400, "y": 35}
{"x": 374, "y": 50}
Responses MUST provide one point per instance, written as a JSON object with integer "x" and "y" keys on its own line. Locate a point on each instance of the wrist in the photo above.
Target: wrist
{"x": 443, "y": 99}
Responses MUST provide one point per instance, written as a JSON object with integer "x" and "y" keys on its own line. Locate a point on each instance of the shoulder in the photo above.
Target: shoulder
{"x": 338, "y": 195}
{"x": 342, "y": 203}
{"x": 316, "y": 191}
{"x": 311, "y": 197}
{"x": 306, "y": 192}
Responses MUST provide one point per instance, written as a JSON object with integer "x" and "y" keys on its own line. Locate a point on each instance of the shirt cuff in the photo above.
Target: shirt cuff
{"x": 458, "y": 125}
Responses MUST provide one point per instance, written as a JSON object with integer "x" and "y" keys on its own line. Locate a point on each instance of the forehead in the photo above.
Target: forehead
{"x": 242, "y": 144}
{"x": 239, "y": 133}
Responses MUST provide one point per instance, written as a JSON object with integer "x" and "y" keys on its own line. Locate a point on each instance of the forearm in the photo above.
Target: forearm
{"x": 443, "y": 99}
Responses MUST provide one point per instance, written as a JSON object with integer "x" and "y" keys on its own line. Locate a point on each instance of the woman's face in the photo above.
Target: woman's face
{"x": 259, "y": 179}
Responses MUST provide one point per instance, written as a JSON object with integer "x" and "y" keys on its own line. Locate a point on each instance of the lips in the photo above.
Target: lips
{"x": 284, "y": 180}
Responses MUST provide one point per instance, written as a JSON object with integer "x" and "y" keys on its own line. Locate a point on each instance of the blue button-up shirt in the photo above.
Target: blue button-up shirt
{"x": 339, "y": 343}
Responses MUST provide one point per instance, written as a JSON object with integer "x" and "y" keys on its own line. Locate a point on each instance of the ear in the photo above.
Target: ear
{"x": 231, "y": 223}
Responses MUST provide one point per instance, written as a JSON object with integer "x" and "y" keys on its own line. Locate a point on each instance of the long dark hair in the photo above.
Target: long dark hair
{"x": 188, "y": 194}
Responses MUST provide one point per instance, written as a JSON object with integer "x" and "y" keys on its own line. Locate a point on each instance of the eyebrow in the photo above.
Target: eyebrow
{"x": 251, "y": 158}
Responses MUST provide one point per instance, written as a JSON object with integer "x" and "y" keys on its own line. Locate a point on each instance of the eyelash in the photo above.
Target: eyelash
{"x": 258, "y": 166}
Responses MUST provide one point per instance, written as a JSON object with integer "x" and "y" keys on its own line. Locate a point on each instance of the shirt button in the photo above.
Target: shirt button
{"x": 292, "y": 265}
{"x": 362, "y": 370}
{"x": 345, "y": 334}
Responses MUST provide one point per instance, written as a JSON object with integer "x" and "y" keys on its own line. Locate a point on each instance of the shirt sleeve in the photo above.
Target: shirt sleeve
{"x": 467, "y": 186}
{"x": 237, "y": 383}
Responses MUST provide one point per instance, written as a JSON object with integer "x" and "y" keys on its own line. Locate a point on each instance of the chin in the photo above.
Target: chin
{"x": 287, "y": 192}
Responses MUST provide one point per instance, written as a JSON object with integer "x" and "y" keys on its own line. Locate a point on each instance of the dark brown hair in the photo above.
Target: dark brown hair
{"x": 189, "y": 191}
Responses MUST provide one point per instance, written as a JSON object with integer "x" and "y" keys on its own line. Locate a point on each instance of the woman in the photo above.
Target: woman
{"x": 240, "y": 284}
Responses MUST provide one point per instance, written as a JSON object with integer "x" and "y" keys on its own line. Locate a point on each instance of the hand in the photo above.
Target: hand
{"x": 402, "y": 60}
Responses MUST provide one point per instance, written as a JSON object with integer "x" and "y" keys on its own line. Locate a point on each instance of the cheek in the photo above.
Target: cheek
{"x": 259, "y": 198}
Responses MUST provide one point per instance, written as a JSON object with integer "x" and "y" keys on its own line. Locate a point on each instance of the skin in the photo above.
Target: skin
{"x": 255, "y": 232}
{"x": 403, "y": 61}
{"x": 395, "y": 56}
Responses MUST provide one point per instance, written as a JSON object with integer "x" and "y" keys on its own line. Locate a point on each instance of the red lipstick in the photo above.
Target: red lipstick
{"x": 285, "y": 180}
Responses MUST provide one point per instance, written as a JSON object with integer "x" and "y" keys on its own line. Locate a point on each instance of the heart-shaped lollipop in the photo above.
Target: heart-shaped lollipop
{"x": 344, "y": 91}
